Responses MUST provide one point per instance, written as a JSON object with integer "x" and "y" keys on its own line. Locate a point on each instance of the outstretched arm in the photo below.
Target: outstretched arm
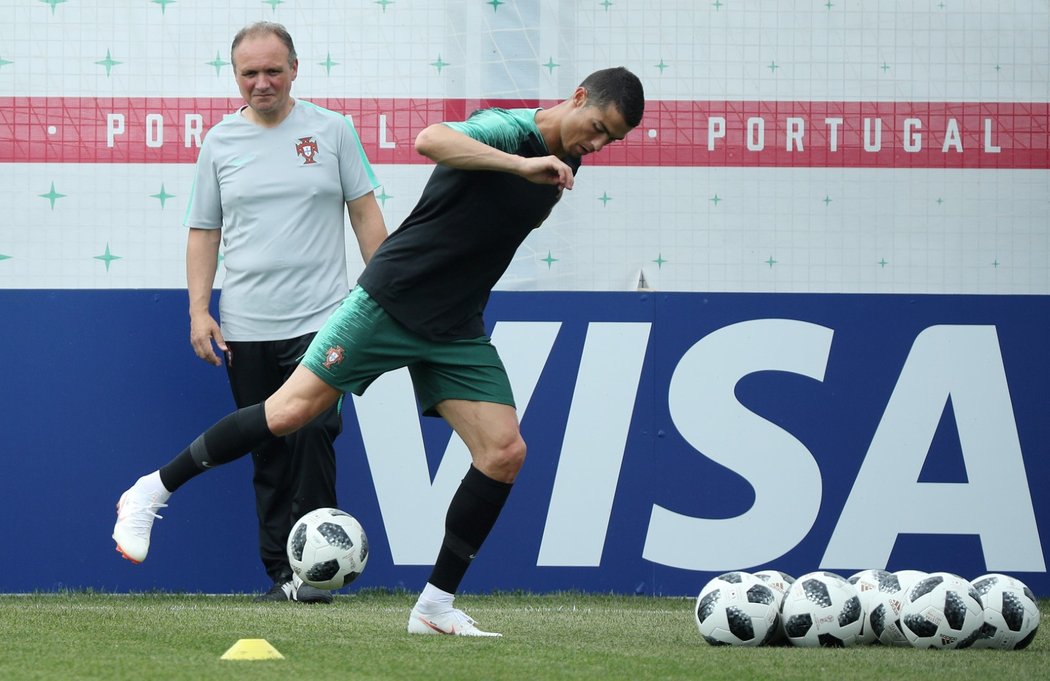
{"x": 449, "y": 147}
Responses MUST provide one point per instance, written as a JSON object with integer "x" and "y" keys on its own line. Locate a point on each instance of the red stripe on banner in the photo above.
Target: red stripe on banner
{"x": 673, "y": 133}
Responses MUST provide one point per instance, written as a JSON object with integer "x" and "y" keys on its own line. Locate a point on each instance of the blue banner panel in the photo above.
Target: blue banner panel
{"x": 671, "y": 437}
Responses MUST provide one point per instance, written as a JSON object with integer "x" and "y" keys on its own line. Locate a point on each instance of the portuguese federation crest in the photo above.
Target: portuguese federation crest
{"x": 333, "y": 355}
{"x": 307, "y": 148}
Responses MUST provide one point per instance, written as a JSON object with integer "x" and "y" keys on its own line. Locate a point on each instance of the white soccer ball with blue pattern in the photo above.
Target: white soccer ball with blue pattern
{"x": 942, "y": 611}
{"x": 909, "y": 578}
{"x": 1011, "y": 614}
{"x": 327, "y": 548}
{"x": 736, "y": 609}
{"x": 881, "y": 598}
{"x": 821, "y": 609}
{"x": 780, "y": 582}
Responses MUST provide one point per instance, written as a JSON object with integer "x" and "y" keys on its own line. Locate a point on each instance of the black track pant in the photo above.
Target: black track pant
{"x": 294, "y": 474}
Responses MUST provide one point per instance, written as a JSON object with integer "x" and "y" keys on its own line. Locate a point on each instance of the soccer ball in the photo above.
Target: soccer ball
{"x": 881, "y": 598}
{"x": 736, "y": 609}
{"x": 780, "y": 582}
{"x": 821, "y": 609}
{"x": 1011, "y": 616}
{"x": 909, "y": 578}
{"x": 942, "y": 611}
{"x": 327, "y": 548}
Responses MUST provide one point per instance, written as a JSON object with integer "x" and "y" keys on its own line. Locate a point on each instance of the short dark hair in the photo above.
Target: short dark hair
{"x": 616, "y": 86}
{"x": 261, "y": 28}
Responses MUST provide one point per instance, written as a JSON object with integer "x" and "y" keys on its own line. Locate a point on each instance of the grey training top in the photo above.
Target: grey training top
{"x": 279, "y": 196}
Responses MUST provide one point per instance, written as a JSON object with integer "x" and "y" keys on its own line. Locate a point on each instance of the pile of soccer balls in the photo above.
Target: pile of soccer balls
{"x": 327, "y": 548}
{"x": 905, "y": 608}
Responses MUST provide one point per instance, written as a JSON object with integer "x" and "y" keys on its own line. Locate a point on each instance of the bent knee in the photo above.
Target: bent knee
{"x": 302, "y": 397}
{"x": 505, "y": 461}
{"x": 514, "y": 454}
{"x": 287, "y": 418}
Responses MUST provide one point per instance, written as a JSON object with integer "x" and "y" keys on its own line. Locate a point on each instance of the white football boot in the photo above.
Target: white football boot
{"x": 451, "y": 622}
{"x": 136, "y": 511}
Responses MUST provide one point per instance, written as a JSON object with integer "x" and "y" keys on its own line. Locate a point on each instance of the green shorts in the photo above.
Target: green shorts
{"x": 360, "y": 342}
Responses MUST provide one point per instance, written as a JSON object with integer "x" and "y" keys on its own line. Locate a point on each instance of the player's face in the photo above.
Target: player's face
{"x": 588, "y": 128}
{"x": 264, "y": 75}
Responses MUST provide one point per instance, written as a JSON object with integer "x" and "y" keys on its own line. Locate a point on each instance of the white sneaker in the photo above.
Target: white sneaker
{"x": 451, "y": 622}
{"x": 136, "y": 511}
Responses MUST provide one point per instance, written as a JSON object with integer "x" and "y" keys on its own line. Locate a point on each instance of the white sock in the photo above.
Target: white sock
{"x": 434, "y": 600}
{"x": 152, "y": 483}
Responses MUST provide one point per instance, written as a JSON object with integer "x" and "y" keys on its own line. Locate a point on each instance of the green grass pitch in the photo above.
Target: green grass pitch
{"x": 362, "y": 636}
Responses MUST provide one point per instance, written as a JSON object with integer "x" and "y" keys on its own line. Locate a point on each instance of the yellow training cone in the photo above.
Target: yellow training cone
{"x": 252, "y": 649}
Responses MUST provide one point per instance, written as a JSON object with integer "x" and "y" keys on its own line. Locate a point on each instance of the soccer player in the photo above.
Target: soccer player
{"x": 419, "y": 303}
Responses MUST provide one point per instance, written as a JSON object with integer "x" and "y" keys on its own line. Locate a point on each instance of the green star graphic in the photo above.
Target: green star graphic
{"x": 605, "y": 198}
{"x": 996, "y": 263}
{"x": 218, "y": 63}
{"x": 328, "y": 63}
{"x": 4, "y": 62}
{"x": 998, "y": 68}
{"x": 52, "y": 3}
{"x": 939, "y": 200}
{"x": 108, "y": 62}
{"x": 107, "y": 257}
{"x": 162, "y": 196}
{"x": 52, "y": 195}
{"x": 495, "y": 4}
{"x": 662, "y": 66}
{"x": 606, "y": 4}
{"x": 773, "y": 67}
{"x": 885, "y": 67}
{"x": 660, "y": 261}
{"x": 827, "y": 200}
{"x": 883, "y": 262}
{"x": 273, "y": 3}
{"x": 383, "y": 196}
{"x": 717, "y": 5}
{"x": 829, "y": 4}
{"x": 163, "y": 5}
{"x": 550, "y": 65}
{"x": 771, "y": 262}
{"x": 550, "y": 260}
{"x": 715, "y": 199}
{"x": 384, "y": 3}
{"x": 440, "y": 63}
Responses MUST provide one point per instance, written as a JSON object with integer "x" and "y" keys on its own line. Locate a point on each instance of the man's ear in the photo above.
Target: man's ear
{"x": 579, "y": 97}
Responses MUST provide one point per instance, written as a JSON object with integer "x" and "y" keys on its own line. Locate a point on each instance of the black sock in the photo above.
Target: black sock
{"x": 473, "y": 511}
{"x": 230, "y": 438}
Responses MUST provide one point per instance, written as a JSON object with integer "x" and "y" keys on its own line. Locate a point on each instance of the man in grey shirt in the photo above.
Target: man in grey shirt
{"x": 271, "y": 182}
